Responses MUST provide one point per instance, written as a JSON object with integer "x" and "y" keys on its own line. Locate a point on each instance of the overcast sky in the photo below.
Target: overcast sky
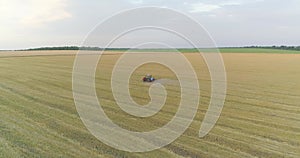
{"x": 37, "y": 23}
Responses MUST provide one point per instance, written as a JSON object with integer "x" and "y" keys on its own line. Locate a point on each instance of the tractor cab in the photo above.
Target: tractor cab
{"x": 148, "y": 78}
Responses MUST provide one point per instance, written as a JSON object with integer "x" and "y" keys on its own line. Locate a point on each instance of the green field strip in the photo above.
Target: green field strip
{"x": 251, "y": 112}
{"x": 64, "y": 120}
{"x": 254, "y": 142}
{"x": 265, "y": 105}
{"x": 276, "y": 135}
{"x": 28, "y": 123}
{"x": 39, "y": 132}
{"x": 51, "y": 119}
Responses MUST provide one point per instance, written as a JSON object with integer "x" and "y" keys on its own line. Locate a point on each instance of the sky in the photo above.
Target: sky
{"x": 36, "y": 23}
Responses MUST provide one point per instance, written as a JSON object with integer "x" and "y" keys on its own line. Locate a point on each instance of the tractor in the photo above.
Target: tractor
{"x": 148, "y": 78}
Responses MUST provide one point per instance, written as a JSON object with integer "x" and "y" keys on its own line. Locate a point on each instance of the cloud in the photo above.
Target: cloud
{"x": 136, "y": 2}
{"x": 201, "y": 7}
{"x": 209, "y": 7}
{"x": 42, "y": 12}
{"x": 33, "y": 12}
{"x": 231, "y": 3}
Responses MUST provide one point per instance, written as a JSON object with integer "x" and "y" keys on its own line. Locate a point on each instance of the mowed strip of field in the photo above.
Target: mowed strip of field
{"x": 261, "y": 116}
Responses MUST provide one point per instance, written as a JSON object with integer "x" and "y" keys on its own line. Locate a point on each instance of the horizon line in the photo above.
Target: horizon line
{"x": 126, "y": 48}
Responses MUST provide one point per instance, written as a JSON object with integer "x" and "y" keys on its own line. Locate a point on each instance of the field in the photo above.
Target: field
{"x": 260, "y": 118}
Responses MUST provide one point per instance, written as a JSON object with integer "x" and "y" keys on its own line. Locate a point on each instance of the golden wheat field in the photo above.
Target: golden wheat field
{"x": 260, "y": 118}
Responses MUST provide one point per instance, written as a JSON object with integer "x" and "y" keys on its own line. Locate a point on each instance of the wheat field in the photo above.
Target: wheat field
{"x": 260, "y": 118}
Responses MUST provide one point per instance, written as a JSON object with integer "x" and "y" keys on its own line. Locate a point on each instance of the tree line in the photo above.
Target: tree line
{"x": 277, "y": 47}
{"x": 73, "y": 48}
{"x": 297, "y": 48}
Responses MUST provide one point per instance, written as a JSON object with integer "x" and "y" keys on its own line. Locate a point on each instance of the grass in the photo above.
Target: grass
{"x": 245, "y": 50}
{"x": 261, "y": 116}
{"x": 222, "y": 49}
{"x": 182, "y": 50}
{"x": 257, "y": 50}
{"x": 225, "y": 50}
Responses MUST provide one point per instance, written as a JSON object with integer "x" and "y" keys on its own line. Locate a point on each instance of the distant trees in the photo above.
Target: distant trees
{"x": 277, "y": 47}
{"x": 124, "y": 49}
{"x": 73, "y": 48}
{"x": 56, "y": 48}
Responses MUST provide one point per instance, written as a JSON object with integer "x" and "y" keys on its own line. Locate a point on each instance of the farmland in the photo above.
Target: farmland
{"x": 260, "y": 118}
